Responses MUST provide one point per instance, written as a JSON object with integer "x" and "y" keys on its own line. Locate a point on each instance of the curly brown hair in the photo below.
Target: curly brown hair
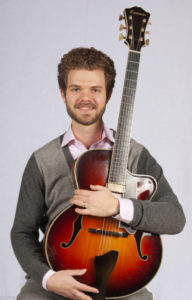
{"x": 89, "y": 59}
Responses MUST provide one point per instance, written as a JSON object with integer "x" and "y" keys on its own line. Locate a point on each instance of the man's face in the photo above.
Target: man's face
{"x": 85, "y": 96}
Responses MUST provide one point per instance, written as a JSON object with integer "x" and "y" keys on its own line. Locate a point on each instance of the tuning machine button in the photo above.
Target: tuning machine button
{"x": 121, "y": 37}
{"x": 147, "y": 42}
{"x": 121, "y": 17}
{"x": 122, "y": 27}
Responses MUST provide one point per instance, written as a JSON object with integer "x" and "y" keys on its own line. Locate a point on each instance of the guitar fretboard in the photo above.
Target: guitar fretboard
{"x": 120, "y": 155}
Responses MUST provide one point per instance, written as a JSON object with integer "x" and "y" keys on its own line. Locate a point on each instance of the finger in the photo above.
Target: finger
{"x": 97, "y": 187}
{"x": 87, "y": 288}
{"x": 79, "y": 202}
{"x": 81, "y": 192}
{"x": 78, "y": 197}
{"x": 82, "y": 211}
{"x": 76, "y": 272}
{"x": 81, "y": 197}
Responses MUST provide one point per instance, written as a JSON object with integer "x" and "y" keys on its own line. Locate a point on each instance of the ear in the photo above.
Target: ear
{"x": 109, "y": 96}
{"x": 63, "y": 95}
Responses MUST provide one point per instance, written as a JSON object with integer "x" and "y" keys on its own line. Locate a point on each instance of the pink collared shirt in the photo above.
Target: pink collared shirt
{"x": 77, "y": 148}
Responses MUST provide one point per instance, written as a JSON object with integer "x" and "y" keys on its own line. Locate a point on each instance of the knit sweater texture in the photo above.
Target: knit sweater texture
{"x": 47, "y": 186}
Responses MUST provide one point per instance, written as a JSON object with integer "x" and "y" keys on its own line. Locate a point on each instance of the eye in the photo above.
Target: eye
{"x": 95, "y": 90}
{"x": 75, "y": 89}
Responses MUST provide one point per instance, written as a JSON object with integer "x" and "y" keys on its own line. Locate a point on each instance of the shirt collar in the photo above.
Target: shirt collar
{"x": 70, "y": 138}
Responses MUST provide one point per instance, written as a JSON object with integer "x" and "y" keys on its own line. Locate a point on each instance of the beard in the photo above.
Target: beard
{"x": 85, "y": 119}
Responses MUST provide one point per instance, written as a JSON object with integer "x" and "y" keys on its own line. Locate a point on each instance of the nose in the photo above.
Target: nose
{"x": 86, "y": 94}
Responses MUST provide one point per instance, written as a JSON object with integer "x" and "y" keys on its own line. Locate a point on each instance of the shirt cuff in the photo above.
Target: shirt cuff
{"x": 46, "y": 277}
{"x": 126, "y": 210}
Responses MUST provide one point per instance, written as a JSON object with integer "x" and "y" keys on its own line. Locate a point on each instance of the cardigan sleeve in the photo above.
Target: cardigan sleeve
{"x": 29, "y": 217}
{"x": 163, "y": 214}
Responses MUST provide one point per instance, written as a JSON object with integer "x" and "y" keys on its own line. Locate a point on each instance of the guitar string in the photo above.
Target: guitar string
{"x": 129, "y": 86}
{"x": 107, "y": 236}
{"x": 110, "y": 223}
{"x": 100, "y": 251}
{"x": 119, "y": 159}
{"x": 110, "y": 234}
{"x": 104, "y": 235}
{"x": 112, "y": 229}
{"x": 100, "y": 240}
{"x": 89, "y": 247}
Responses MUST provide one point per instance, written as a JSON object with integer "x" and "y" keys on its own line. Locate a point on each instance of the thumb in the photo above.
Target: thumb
{"x": 77, "y": 272}
{"x": 97, "y": 187}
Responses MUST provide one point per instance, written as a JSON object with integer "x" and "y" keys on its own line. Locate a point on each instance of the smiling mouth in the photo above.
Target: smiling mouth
{"x": 85, "y": 107}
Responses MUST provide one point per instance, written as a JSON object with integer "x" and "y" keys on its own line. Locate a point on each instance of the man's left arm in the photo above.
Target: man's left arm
{"x": 163, "y": 214}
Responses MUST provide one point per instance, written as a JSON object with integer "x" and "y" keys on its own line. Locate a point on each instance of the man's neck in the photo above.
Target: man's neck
{"x": 88, "y": 135}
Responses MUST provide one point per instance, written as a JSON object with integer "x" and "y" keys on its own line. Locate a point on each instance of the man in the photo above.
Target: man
{"x": 86, "y": 78}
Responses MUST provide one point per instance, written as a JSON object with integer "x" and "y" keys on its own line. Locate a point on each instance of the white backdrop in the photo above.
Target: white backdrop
{"x": 34, "y": 34}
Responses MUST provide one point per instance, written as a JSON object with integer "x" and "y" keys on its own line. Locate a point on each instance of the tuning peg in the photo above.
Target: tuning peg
{"x": 121, "y": 37}
{"x": 147, "y": 32}
{"x": 121, "y": 17}
{"x": 147, "y": 42}
{"x": 149, "y": 23}
{"x": 122, "y": 27}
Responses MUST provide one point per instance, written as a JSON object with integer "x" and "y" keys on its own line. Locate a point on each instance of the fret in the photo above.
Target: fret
{"x": 131, "y": 76}
{"x": 120, "y": 154}
{"x": 130, "y": 84}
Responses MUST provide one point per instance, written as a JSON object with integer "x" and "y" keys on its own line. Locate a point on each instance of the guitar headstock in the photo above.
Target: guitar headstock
{"x": 136, "y": 20}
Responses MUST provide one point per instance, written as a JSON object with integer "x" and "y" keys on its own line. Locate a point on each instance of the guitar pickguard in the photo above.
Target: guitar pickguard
{"x": 139, "y": 187}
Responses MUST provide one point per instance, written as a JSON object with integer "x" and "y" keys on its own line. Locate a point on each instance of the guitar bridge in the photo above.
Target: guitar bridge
{"x": 108, "y": 232}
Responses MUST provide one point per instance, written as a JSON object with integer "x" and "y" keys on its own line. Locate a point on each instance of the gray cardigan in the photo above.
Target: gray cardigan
{"x": 47, "y": 186}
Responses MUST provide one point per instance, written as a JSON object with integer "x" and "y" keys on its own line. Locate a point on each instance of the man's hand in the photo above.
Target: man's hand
{"x": 63, "y": 283}
{"x": 98, "y": 202}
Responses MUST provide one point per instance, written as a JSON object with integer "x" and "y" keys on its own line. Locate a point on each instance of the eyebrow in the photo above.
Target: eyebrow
{"x": 72, "y": 85}
{"x": 77, "y": 85}
{"x": 97, "y": 86}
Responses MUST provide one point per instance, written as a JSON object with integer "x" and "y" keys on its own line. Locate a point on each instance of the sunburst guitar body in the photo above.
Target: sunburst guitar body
{"x": 119, "y": 259}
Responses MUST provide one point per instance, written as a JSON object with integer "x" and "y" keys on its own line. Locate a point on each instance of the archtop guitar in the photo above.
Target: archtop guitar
{"x": 119, "y": 260}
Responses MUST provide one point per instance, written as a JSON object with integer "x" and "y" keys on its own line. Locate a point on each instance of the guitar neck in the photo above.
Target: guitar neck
{"x": 120, "y": 155}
